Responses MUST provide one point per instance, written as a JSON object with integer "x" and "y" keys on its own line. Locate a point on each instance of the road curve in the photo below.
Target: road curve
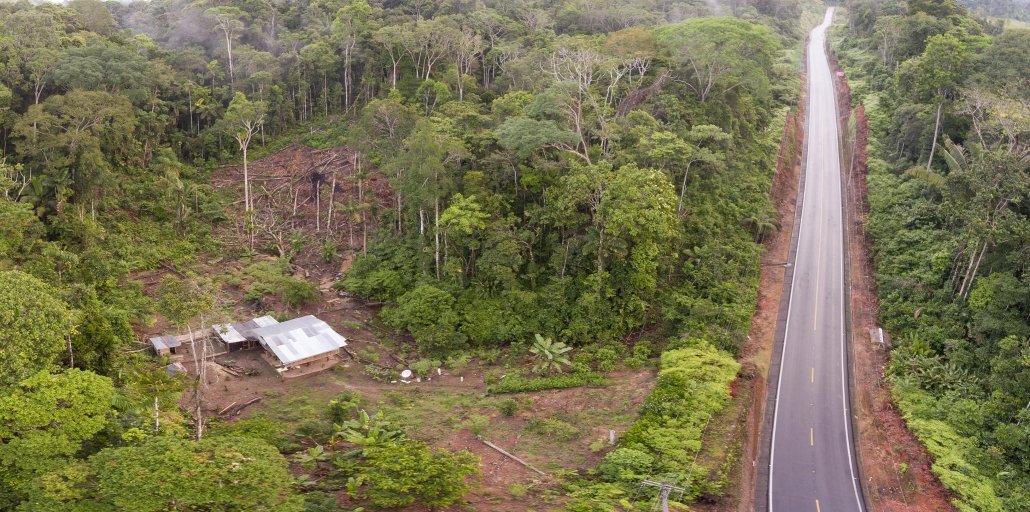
{"x": 811, "y": 464}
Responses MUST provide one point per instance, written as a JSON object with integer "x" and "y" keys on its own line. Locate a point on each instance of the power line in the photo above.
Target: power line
{"x": 664, "y": 490}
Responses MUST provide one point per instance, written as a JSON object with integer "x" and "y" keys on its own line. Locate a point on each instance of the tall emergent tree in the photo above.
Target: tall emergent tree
{"x": 227, "y": 19}
{"x": 936, "y": 75}
{"x": 243, "y": 120}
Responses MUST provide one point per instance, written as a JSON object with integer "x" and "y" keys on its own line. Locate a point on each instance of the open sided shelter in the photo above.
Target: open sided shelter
{"x": 240, "y": 335}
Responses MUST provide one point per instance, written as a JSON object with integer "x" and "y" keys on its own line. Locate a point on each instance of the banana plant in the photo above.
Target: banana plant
{"x": 550, "y": 355}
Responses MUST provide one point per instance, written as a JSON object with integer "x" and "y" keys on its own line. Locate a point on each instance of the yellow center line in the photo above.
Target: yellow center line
{"x": 812, "y": 377}
{"x": 817, "y": 506}
{"x": 811, "y": 436}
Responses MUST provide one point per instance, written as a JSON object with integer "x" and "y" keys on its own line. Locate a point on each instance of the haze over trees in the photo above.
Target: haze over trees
{"x": 949, "y": 180}
{"x": 587, "y": 174}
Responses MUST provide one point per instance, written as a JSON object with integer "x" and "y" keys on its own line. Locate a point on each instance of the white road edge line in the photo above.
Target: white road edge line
{"x": 790, "y": 301}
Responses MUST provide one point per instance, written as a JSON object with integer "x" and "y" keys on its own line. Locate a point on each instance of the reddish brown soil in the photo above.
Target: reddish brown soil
{"x": 895, "y": 466}
{"x": 492, "y": 491}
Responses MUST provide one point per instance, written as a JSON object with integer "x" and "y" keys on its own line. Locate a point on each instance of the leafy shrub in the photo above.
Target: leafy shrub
{"x": 378, "y": 373}
{"x": 626, "y": 465}
{"x": 271, "y": 278}
{"x": 344, "y": 407}
{"x": 508, "y": 407}
{"x": 519, "y": 384}
{"x": 606, "y": 359}
{"x": 517, "y": 490}
{"x": 643, "y": 349}
{"x": 321, "y": 502}
{"x": 329, "y": 252}
{"x": 458, "y": 362}
{"x": 641, "y": 353}
{"x": 402, "y": 472}
{"x": 265, "y": 429}
{"x": 423, "y": 367}
{"x": 369, "y": 354}
{"x": 315, "y": 428}
{"x": 430, "y": 315}
{"x": 297, "y": 293}
{"x": 693, "y": 384}
{"x": 953, "y": 454}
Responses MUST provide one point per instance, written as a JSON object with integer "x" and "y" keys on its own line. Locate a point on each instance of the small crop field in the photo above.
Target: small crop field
{"x": 554, "y": 431}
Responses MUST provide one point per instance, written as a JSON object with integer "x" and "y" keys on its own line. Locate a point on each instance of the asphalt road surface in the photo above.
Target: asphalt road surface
{"x": 812, "y": 467}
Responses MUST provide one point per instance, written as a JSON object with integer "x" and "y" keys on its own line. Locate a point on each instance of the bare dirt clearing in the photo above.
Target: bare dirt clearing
{"x": 326, "y": 194}
{"x": 554, "y": 431}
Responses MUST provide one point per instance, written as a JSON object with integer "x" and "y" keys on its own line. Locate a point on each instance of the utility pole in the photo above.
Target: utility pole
{"x": 664, "y": 490}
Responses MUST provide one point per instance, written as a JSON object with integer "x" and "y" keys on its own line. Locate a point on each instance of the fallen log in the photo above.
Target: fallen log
{"x": 512, "y": 457}
{"x": 235, "y": 408}
{"x": 227, "y": 408}
{"x": 248, "y": 404}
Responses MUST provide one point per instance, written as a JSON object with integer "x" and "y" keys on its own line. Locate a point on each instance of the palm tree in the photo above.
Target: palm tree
{"x": 550, "y": 355}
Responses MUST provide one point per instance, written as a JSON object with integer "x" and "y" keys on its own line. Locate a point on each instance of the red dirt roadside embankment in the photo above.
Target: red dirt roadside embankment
{"x": 894, "y": 465}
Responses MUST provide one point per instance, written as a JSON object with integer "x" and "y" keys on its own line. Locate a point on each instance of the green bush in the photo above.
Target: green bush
{"x": 953, "y": 455}
{"x": 329, "y": 252}
{"x": 297, "y": 293}
{"x": 378, "y": 373}
{"x": 424, "y": 367}
{"x": 430, "y": 315}
{"x": 344, "y": 407}
{"x": 403, "y": 472}
{"x": 693, "y": 385}
{"x": 268, "y": 430}
{"x": 508, "y": 408}
{"x": 606, "y": 359}
{"x": 519, "y": 384}
{"x": 626, "y": 465}
{"x": 268, "y": 278}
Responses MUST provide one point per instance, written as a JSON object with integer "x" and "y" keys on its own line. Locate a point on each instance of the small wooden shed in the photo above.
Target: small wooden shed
{"x": 165, "y": 345}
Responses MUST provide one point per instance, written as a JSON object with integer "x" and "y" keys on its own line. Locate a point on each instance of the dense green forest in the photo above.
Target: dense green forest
{"x": 949, "y": 177}
{"x": 593, "y": 172}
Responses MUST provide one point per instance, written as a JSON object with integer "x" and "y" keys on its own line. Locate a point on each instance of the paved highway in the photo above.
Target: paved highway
{"x": 811, "y": 466}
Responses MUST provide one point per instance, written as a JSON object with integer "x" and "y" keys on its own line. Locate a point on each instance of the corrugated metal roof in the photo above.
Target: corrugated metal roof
{"x": 164, "y": 342}
{"x": 246, "y": 329}
{"x": 175, "y": 368}
{"x": 300, "y": 338}
{"x": 228, "y": 333}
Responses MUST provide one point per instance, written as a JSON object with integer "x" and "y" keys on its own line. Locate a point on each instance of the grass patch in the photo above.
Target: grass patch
{"x": 519, "y": 384}
{"x": 554, "y": 428}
